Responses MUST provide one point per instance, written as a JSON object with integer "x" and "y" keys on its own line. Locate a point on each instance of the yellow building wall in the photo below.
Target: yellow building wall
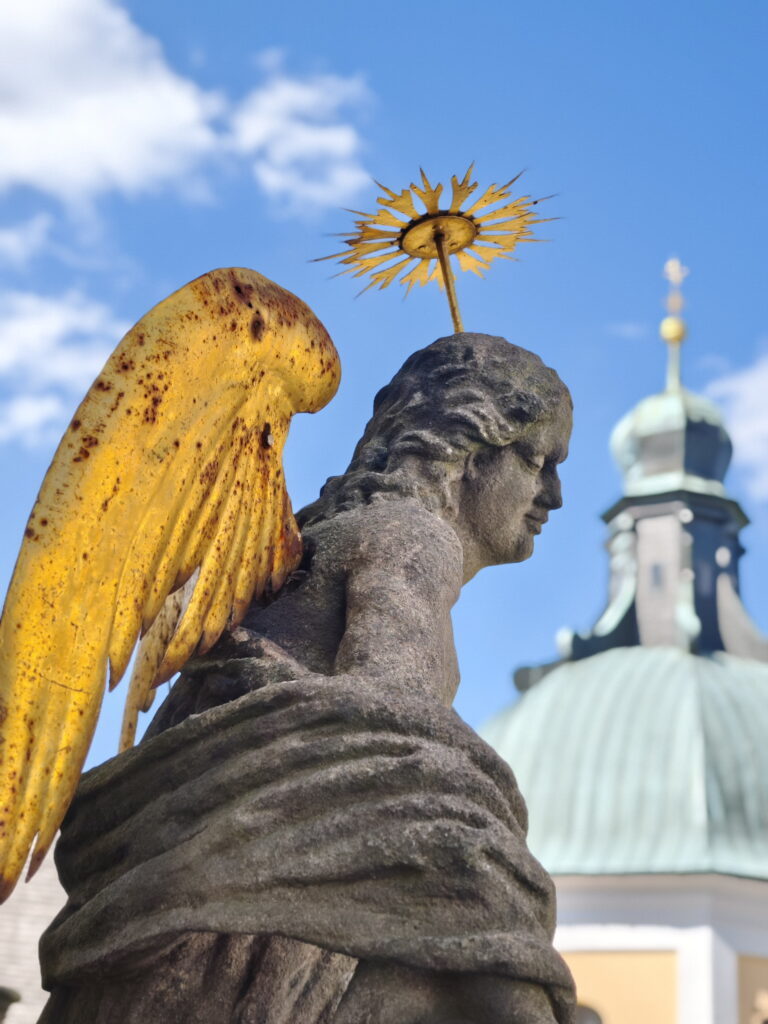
{"x": 627, "y": 988}
{"x": 753, "y": 989}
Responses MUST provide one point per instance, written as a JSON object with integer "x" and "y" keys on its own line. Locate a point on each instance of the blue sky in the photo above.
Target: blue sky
{"x": 145, "y": 143}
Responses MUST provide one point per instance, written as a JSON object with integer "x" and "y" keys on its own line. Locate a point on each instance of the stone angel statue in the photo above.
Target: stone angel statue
{"x": 307, "y": 833}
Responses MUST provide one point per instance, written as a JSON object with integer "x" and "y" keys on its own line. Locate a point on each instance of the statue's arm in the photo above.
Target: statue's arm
{"x": 400, "y": 588}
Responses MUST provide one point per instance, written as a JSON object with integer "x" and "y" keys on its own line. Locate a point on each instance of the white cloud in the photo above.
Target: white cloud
{"x": 743, "y": 395}
{"x": 18, "y": 244}
{"x": 89, "y": 104}
{"x": 629, "y": 330}
{"x": 31, "y": 418}
{"x": 713, "y": 363}
{"x": 51, "y": 349}
{"x": 270, "y": 61}
{"x": 303, "y": 153}
{"x": 62, "y": 340}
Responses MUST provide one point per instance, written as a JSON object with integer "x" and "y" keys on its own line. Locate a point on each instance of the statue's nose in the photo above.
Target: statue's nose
{"x": 551, "y": 495}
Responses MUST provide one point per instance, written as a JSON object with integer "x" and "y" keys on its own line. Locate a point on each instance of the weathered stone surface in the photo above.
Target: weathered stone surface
{"x": 310, "y": 833}
{"x": 206, "y": 976}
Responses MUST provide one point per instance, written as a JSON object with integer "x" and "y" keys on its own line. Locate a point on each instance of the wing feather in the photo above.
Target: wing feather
{"x": 143, "y": 681}
{"x": 196, "y": 539}
{"x": 190, "y": 628}
{"x": 139, "y": 496}
{"x": 251, "y": 573}
{"x": 261, "y": 553}
{"x": 156, "y": 539}
{"x": 220, "y": 611}
{"x": 194, "y": 514}
{"x": 286, "y": 547}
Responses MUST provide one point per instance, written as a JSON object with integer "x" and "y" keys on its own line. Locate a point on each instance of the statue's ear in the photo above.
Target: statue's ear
{"x": 466, "y": 483}
{"x": 472, "y": 465}
{"x": 478, "y": 461}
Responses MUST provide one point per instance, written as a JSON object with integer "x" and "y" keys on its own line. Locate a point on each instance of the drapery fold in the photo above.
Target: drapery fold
{"x": 370, "y": 823}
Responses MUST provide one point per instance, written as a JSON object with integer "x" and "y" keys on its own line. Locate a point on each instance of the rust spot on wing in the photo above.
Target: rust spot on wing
{"x": 257, "y": 326}
{"x": 243, "y": 291}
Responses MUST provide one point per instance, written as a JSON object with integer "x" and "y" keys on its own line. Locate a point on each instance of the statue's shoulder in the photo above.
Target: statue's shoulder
{"x": 394, "y": 534}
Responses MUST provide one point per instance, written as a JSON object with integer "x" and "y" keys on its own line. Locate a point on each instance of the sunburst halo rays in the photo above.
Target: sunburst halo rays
{"x": 407, "y": 239}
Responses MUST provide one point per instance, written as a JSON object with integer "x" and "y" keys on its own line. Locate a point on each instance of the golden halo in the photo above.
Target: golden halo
{"x": 420, "y": 242}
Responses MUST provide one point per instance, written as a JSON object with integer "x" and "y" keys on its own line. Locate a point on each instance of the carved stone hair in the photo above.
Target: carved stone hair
{"x": 460, "y": 394}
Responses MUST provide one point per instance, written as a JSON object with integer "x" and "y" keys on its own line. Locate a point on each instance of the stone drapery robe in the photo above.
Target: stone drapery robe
{"x": 307, "y": 804}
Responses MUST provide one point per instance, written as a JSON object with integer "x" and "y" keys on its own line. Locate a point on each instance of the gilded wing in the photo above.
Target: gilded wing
{"x": 149, "y": 657}
{"x": 171, "y": 466}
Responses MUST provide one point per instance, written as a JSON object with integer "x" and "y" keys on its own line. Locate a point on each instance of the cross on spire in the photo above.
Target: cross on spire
{"x": 675, "y": 273}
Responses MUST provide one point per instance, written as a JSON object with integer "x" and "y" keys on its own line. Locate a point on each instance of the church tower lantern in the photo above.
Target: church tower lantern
{"x": 642, "y": 752}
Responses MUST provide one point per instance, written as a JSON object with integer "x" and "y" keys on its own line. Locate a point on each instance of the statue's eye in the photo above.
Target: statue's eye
{"x": 535, "y": 462}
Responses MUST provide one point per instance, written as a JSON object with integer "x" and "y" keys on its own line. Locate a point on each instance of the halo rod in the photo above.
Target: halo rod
{"x": 450, "y": 284}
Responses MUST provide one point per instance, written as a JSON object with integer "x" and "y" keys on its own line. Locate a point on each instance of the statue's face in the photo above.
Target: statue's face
{"x": 509, "y": 492}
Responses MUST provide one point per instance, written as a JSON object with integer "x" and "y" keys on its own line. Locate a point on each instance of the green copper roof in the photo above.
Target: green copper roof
{"x": 675, "y": 440}
{"x": 643, "y": 760}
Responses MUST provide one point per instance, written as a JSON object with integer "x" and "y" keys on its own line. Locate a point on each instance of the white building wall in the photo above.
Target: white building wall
{"x": 23, "y": 918}
{"x": 707, "y": 920}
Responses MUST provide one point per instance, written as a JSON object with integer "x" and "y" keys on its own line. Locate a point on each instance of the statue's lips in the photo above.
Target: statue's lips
{"x": 536, "y": 522}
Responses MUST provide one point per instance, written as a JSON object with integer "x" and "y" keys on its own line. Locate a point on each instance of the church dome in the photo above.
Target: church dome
{"x": 670, "y": 441}
{"x": 643, "y": 760}
{"x": 643, "y": 750}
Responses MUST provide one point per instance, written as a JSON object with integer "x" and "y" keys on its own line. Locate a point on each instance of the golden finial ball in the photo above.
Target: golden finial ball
{"x": 673, "y": 330}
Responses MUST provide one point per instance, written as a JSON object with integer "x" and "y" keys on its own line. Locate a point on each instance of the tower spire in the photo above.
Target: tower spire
{"x": 672, "y": 327}
{"x": 674, "y": 534}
